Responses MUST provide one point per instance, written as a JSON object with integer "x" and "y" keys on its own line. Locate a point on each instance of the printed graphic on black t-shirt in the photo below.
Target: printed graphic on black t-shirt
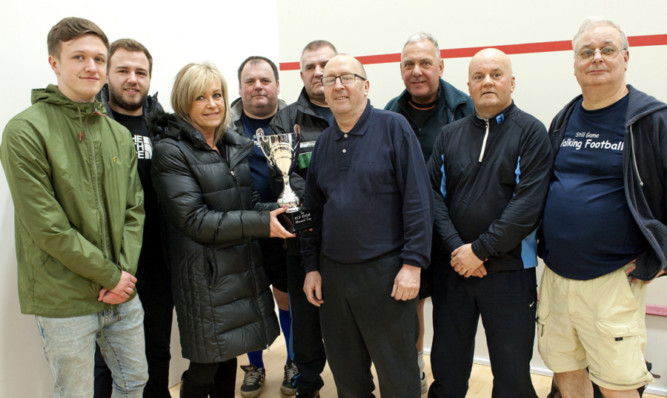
{"x": 144, "y": 146}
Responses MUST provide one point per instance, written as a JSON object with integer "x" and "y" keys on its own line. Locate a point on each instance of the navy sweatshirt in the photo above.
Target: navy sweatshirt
{"x": 369, "y": 188}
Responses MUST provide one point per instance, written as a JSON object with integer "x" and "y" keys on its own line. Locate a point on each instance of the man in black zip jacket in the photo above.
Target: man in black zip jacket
{"x": 604, "y": 233}
{"x": 312, "y": 114}
{"x": 126, "y": 100}
{"x": 489, "y": 172}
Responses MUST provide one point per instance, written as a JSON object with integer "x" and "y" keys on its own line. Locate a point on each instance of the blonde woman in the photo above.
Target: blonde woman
{"x": 221, "y": 292}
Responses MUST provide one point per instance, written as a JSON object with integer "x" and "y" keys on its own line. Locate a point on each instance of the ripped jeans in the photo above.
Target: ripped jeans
{"x": 69, "y": 347}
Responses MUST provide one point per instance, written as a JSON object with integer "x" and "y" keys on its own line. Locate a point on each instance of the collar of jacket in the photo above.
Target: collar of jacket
{"x": 305, "y": 106}
{"x": 497, "y": 119}
{"x": 236, "y": 109}
{"x": 172, "y": 126}
{"x": 52, "y": 95}
{"x": 151, "y": 105}
{"x": 448, "y": 97}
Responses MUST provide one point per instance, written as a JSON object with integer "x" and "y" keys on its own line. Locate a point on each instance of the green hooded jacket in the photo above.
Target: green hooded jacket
{"x": 78, "y": 202}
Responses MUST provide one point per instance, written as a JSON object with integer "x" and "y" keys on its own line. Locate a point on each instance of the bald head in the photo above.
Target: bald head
{"x": 490, "y": 82}
{"x": 490, "y": 54}
{"x": 347, "y": 101}
{"x": 348, "y": 62}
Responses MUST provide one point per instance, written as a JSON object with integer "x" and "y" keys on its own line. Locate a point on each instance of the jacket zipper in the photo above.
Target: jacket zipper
{"x": 98, "y": 197}
{"x": 486, "y": 135}
{"x": 634, "y": 157}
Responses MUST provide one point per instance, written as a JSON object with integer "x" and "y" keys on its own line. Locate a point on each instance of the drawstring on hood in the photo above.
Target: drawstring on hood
{"x": 634, "y": 157}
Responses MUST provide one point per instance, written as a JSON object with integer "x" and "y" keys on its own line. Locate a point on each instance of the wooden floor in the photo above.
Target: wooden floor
{"x": 274, "y": 360}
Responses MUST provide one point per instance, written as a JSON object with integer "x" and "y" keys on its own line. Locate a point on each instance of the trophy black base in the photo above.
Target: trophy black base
{"x": 296, "y": 219}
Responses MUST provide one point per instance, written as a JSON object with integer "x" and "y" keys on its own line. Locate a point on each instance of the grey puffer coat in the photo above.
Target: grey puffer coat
{"x": 221, "y": 291}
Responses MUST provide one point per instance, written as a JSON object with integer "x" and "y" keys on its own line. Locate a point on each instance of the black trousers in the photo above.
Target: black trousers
{"x": 506, "y": 302}
{"x": 217, "y": 380}
{"x": 156, "y": 298}
{"x": 307, "y": 344}
{"x": 361, "y": 323}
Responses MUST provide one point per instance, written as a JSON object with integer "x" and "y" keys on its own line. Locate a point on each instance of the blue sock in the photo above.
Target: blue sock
{"x": 286, "y": 326}
{"x": 256, "y": 359}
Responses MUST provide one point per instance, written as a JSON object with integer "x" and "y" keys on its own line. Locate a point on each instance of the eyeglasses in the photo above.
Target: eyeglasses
{"x": 608, "y": 52}
{"x": 346, "y": 79}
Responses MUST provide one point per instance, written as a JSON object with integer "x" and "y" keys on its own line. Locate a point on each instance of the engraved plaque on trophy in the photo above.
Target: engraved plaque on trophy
{"x": 279, "y": 150}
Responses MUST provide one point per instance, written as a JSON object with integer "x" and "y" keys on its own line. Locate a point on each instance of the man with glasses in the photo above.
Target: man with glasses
{"x": 312, "y": 114}
{"x": 368, "y": 186}
{"x": 604, "y": 226}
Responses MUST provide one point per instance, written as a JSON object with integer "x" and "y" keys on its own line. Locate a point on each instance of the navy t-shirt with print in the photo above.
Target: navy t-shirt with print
{"x": 588, "y": 228}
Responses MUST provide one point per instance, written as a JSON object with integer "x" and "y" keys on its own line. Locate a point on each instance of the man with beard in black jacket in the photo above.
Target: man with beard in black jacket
{"x": 126, "y": 100}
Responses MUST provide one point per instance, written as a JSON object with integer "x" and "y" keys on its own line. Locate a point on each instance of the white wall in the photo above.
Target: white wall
{"x": 226, "y": 32}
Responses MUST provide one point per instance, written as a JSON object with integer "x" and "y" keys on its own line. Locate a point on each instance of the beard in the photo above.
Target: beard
{"x": 116, "y": 97}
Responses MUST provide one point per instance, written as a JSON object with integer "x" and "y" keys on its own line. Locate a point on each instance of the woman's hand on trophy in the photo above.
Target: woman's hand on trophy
{"x": 277, "y": 229}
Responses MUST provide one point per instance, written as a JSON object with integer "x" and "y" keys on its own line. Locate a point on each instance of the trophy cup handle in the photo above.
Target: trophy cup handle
{"x": 260, "y": 141}
{"x": 297, "y": 139}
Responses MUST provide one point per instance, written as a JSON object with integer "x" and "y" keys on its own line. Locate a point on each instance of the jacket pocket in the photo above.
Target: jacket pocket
{"x": 618, "y": 330}
{"x": 210, "y": 267}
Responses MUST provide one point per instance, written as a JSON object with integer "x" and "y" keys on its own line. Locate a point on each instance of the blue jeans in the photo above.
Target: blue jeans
{"x": 69, "y": 348}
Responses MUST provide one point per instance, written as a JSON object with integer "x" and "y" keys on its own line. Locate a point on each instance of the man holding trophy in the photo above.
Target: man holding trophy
{"x": 367, "y": 184}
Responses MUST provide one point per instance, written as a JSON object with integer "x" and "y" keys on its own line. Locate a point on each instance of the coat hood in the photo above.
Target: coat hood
{"x": 52, "y": 95}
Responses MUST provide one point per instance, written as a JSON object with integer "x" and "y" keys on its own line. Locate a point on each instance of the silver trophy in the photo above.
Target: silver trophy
{"x": 279, "y": 150}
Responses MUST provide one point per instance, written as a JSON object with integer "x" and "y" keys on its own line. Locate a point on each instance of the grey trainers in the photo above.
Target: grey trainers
{"x": 252, "y": 381}
{"x": 288, "y": 387}
{"x": 424, "y": 384}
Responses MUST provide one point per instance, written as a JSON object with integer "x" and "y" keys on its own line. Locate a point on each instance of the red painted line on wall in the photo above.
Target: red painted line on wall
{"x": 525, "y": 48}
{"x": 657, "y": 310}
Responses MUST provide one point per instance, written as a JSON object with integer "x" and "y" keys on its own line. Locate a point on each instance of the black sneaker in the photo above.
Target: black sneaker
{"x": 252, "y": 381}
{"x": 288, "y": 387}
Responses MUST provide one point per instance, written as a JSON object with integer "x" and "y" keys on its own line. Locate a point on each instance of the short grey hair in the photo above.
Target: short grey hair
{"x": 591, "y": 22}
{"x": 417, "y": 37}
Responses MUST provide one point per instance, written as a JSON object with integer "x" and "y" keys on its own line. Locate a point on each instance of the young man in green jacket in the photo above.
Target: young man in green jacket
{"x": 72, "y": 173}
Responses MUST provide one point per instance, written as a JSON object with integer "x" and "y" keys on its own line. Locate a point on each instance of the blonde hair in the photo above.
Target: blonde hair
{"x": 192, "y": 81}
